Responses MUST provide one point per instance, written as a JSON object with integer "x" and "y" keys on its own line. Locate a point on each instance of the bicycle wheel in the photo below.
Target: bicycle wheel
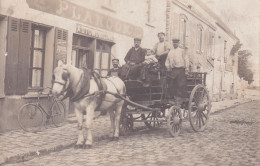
{"x": 30, "y": 118}
{"x": 58, "y": 113}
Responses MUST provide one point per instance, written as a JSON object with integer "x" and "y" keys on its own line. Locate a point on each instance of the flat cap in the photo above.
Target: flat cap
{"x": 115, "y": 60}
{"x": 175, "y": 40}
{"x": 161, "y": 33}
{"x": 137, "y": 39}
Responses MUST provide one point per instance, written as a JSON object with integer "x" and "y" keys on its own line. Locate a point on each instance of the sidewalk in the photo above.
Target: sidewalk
{"x": 18, "y": 145}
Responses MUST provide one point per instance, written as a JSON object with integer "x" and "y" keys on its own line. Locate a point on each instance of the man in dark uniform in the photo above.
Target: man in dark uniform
{"x": 116, "y": 70}
{"x": 134, "y": 58}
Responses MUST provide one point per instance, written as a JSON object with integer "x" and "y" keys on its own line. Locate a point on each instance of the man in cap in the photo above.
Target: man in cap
{"x": 177, "y": 65}
{"x": 134, "y": 58}
{"x": 116, "y": 70}
{"x": 162, "y": 48}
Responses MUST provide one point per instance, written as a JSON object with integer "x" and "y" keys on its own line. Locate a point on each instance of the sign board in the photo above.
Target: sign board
{"x": 67, "y": 9}
{"x": 81, "y": 29}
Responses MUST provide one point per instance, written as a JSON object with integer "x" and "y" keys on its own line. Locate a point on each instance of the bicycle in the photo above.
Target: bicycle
{"x": 31, "y": 117}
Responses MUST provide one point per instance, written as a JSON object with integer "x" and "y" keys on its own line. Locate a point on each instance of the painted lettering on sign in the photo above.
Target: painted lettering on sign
{"x": 94, "y": 33}
{"x": 72, "y": 11}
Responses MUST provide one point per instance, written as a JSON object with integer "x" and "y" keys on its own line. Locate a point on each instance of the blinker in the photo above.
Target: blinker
{"x": 65, "y": 75}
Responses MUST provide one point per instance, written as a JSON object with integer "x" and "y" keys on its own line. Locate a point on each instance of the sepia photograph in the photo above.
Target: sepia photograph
{"x": 130, "y": 82}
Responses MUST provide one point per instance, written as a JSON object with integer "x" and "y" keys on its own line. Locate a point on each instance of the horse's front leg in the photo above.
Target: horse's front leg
{"x": 80, "y": 141}
{"x": 89, "y": 120}
{"x": 112, "y": 120}
{"x": 118, "y": 110}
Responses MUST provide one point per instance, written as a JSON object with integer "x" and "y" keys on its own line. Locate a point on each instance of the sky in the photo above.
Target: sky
{"x": 242, "y": 17}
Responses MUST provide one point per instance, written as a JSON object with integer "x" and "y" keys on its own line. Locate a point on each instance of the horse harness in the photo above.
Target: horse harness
{"x": 85, "y": 85}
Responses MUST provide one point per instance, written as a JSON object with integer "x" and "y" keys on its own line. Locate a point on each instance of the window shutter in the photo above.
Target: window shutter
{"x": 188, "y": 33}
{"x": 12, "y": 57}
{"x": 61, "y": 40}
{"x": 175, "y": 24}
{"x": 205, "y": 42}
{"x": 24, "y": 56}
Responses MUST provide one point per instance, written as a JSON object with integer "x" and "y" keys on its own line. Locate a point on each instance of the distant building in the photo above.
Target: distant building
{"x": 207, "y": 41}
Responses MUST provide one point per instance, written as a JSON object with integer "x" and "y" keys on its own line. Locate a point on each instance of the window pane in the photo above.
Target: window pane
{"x": 82, "y": 60}
{"x": 105, "y": 60}
{"x": 73, "y": 57}
{"x": 97, "y": 60}
{"x": 37, "y": 58}
{"x": 38, "y": 38}
{"x": 36, "y": 78}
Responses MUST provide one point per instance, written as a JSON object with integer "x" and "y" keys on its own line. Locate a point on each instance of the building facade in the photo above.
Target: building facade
{"x": 207, "y": 41}
{"x": 35, "y": 34}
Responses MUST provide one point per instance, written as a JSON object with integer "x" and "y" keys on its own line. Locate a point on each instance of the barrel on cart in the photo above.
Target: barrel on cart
{"x": 152, "y": 105}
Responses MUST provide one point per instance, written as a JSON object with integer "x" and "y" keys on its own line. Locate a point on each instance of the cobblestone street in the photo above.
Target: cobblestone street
{"x": 231, "y": 138}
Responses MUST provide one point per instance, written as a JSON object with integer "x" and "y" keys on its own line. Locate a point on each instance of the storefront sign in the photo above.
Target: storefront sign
{"x": 94, "y": 33}
{"x": 66, "y": 9}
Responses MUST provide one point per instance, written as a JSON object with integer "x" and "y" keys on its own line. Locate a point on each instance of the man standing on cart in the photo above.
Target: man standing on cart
{"x": 161, "y": 49}
{"x": 134, "y": 58}
{"x": 177, "y": 65}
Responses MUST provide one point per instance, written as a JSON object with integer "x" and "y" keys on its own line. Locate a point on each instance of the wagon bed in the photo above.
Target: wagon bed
{"x": 155, "y": 96}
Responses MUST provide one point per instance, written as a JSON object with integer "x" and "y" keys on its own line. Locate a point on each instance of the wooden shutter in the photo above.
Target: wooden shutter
{"x": 12, "y": 57}
{"x": 24, "y": 56}
{"x": 205, "y": 41}
{"x": 61, "y": 40}
{"x": 188, "y": 33}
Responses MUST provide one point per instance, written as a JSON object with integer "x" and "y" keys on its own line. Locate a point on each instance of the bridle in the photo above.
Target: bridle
{"x": 64, "y": 89}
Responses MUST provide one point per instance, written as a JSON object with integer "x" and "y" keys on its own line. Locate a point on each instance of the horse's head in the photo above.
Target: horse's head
{"x": 60, "y": 80}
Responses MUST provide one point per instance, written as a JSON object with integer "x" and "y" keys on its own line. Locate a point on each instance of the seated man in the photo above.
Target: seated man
{"x": 134, "y": 58}
{"x": 116, "y": 70}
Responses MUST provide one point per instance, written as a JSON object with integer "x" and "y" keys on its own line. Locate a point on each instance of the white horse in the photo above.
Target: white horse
{"x": 72, "y": 82}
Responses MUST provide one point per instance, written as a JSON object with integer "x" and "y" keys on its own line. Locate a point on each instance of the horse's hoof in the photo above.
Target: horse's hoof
{"x": 88, "y": 146}
{"x": 115, "y": 139}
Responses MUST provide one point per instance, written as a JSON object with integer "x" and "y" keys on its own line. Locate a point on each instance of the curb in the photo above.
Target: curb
{"x": 45, "y": 151}
{"x": 33, "y": 154}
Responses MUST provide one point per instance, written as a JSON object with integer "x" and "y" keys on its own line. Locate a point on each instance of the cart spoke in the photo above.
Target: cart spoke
{"x": 199, "y": 120}
{"x": 202, "y": 120}
{"x": 204, "y": 115}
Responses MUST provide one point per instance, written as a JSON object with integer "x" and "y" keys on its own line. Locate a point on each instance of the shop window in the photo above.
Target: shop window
{"x": 103, "y": 57}
{"x": 37, "y": 57}
{"x": 199, "y": 38}
{"x": 81, "y": 54}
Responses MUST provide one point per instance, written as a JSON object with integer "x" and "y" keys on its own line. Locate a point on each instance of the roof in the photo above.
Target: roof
{"x": 219, "y": 22}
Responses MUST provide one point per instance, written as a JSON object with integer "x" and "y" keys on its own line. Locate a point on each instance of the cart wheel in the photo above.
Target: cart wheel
{"x": 174, "y": 121}
{"x": 126, "y": 123}
{"x": 199, "y": 108}
{"x": 154, "y": 117}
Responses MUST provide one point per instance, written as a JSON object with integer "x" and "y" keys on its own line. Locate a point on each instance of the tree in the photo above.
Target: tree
{"x": 235, "y": 48}
{"x": 243, "y": 66}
